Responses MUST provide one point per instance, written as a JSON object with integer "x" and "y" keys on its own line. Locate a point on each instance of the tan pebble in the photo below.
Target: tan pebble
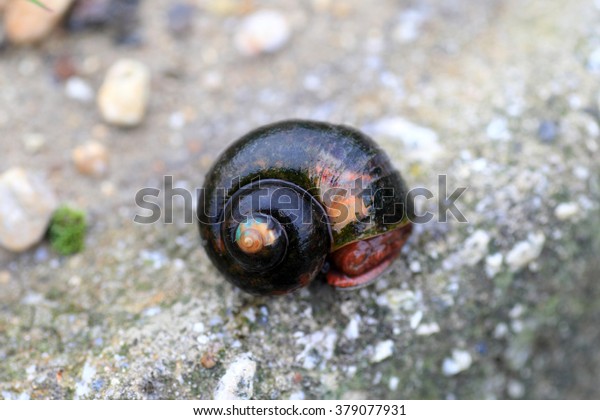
{"x": 91, "y": 159}
{"x": 208, "y": 360}
{"x": 26, "y": 206}
{"x": 4, "y": 277}
{"x": 27, "y": 23}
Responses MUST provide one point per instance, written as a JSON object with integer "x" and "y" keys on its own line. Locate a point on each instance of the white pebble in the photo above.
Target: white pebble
{"x": 264, "y": 31}
{"x": 501, "y": 330}
{"x": 526, "y": 251}
{"x": 497, "y": 129}
{"x": 415, "y": 320}
{"x": 515, "y": 389}
{"x": 382, "y": 351}
{"x": 409, "y": 26}
{"x": 415, "y": 266}
{"x": 394, "y": 382}
{"x": 459, "y": 361}
{"x": 124, "y": 95}
{"x": 422, "y": 143}
{"x": 82, "y": 387}
{"x": 34, "y": 142}
{"x": 565, "y": 211}
{"x": 493, "y": 264}
{"x": 475, "y": 248}
{"x": 428, "y": 329}
{"x": 238, "y": 381}
{"x": 78, "y": 89}
{"x": 352, "y": 329}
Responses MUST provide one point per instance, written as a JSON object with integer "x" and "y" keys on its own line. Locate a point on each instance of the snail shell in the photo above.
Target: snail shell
{"x": 290, "y": 199}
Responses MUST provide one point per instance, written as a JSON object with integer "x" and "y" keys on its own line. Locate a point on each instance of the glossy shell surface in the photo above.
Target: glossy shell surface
{"x": 328, "y": 165}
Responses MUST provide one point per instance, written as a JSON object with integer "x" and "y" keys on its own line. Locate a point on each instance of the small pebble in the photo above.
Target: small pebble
{"x": 382, "y": 351}
{"x": 180, "y": 19}
{"x": 497, "y": 129}
{"x": 208, "y": 360}
{"x": 475, "y": 248}
{"x": 409, "y": 26}
{"x": 264, "y": 31}
{"x": 547, "y": 131}
{"x": 91, "y": 159}
{"x": 27, "y": 23}
{"x": 26, "y": 206}
{"x": 566, "y": 211}
{"x": 124, "y": 95}
{"x": 526, "y": 251}
{"x": 421, "y": 143}
{"x": 515, "y": 389}
{"x": 125, "y": 19}
{"x": 34, "y": 142}
{"x": 64, "y": 67}
{"x": 593, "y": 63}
{"x": 352, "y": 331}
{"x": 428, "y": 329}
{"x": 78, "y": 89}
{"x": 459, "y": 361}
{"x": 394, "y": 382}
{"x": 238, "y": 381}
{"x": 89, "y": 14}
{"x": 493, "y": 264}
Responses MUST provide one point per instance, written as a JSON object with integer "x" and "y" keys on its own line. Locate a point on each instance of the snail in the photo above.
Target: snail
{"x": 296, "y": 200}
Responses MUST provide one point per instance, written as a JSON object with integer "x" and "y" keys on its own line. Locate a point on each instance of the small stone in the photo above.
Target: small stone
{"x": 493, "y": 264}
{"x": 238, "y": 381}
{"x": 497, "y": 129}
{"x": 91, "y": 159}
{"x": 566, "y": 211}
{"x": 382, "y": 351}
{"x": 422, "y": 143}
{"x": 593, "y": 63}
{"x": 415, "y": 266}
{"x": 428, "y": 329}
{"x": 64, "y": 67}
{"x": 208, "y": 360}
{"x": 475, "y": 248}
{"x": 82, "y": 387}
{"x": 409, "y": 26}
{"x": 547, "y": 131}
{"x": 415, "y": 320}
{"x": 526, "y": 251}
{"x": 78, "y": 89}
{"x": 264, "y": 31}
{"x": 28, "y": 23}
{"x": 34, "y": 142}
{"x": 180, "y": 19}
{"x": 318, "y": 348}
{"x": 393, "y": 383}
{"x": 89, "y": 14}
{"x": 124, "y": 95}
{"x": 125, "y": 19}
{"x": 352, "y": 329}
{"x": 26, "y": 206}
{"x": 459, "y": 361}
{"x": 515, "y": 389}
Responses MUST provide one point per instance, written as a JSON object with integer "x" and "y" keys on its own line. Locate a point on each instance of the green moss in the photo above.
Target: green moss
{"x": 67, "y": 230}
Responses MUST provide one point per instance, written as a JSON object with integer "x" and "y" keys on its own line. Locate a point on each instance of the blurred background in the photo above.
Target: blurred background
{"x": 101, "y": 98}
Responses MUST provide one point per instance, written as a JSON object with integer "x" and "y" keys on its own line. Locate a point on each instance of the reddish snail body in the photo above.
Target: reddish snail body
{"x": 293, "y": 200}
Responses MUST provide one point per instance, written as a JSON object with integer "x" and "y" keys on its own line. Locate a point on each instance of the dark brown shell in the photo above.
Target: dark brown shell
{"x": 346, "y": 180}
